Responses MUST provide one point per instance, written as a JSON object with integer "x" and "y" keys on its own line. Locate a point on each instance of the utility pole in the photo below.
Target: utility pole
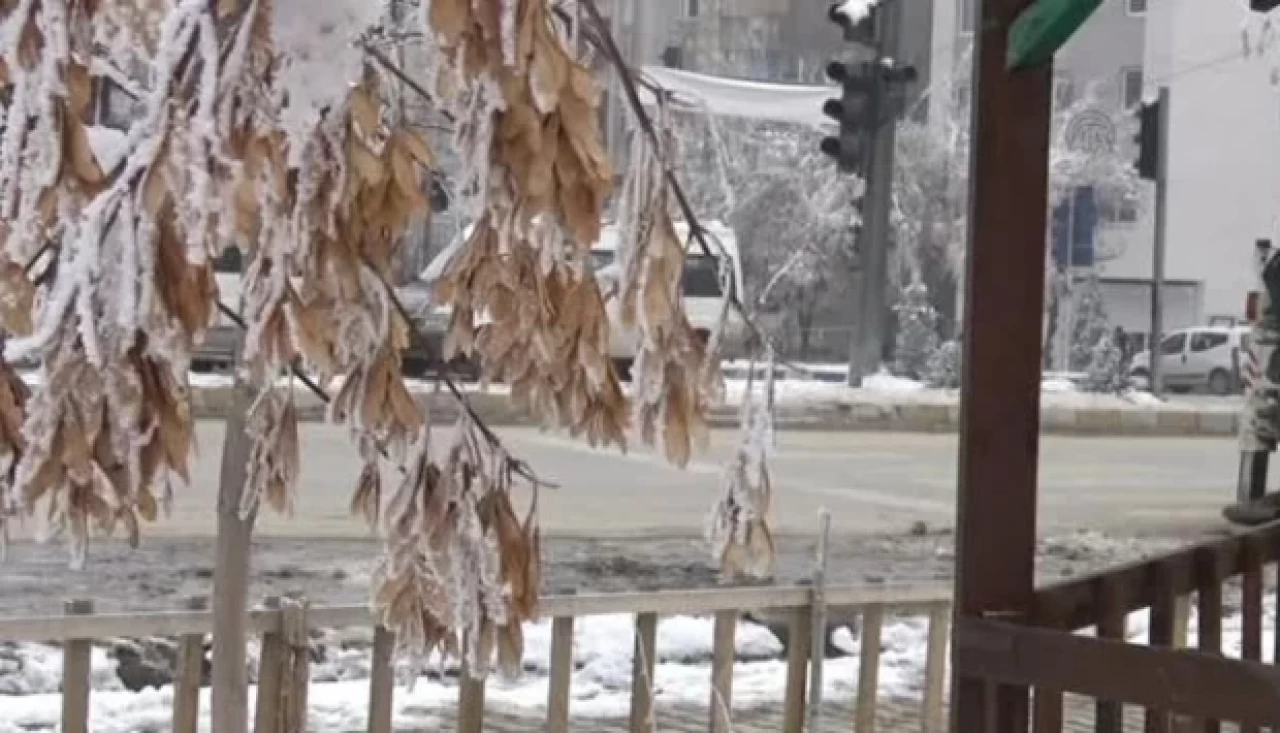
{"x": 867, "y": 113}
{"x": 1153, "y": 162}
{"x": 867, "y": 348}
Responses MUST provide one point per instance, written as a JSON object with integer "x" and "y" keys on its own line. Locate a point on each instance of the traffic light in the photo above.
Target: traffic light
{"x": 1263, "y": 6}
{"x": 857, "y": 20}
{"x": 855, "y": 112}
{"x": 1148, "y": 139}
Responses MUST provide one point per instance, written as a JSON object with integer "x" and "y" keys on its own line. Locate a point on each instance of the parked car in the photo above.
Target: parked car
{"x": 1196, "y": 359}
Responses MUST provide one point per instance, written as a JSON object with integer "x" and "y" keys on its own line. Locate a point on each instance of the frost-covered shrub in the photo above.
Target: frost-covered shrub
{"x": 945, "y": 365}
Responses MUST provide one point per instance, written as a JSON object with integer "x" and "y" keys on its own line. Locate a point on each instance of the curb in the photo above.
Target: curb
{"x": 211, "y": 403}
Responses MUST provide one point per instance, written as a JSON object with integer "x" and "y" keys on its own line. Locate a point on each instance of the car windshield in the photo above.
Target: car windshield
{"x": 701, "y": 277}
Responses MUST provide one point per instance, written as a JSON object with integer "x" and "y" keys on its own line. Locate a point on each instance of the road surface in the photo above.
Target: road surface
{"x": 621, "y": 522}
{"x": 871, "y": 482}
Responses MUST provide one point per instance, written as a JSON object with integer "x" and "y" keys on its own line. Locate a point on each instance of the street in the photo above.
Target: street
{"x": 872, "y": 483}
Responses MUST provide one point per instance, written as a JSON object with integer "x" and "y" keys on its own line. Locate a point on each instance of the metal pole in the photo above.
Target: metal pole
{"x": 1157, "y": 264}
{"x": 1000, "y": 402}
{"x": 1066, "y": 311}
{"x": 869, "y": 330}
{"x": 818, "y": 623}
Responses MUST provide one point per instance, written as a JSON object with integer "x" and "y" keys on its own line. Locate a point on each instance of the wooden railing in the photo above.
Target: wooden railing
{"x": 283, "y": 664}
{"x": 1176, "y": 689}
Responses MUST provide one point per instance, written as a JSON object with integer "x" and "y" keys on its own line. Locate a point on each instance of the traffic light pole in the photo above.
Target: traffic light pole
{"x": 872, "y": 277}
{"x": 1157, "y": 264}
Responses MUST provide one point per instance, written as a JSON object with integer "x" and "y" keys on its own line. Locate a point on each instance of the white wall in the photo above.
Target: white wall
{"x": 1129, "y": 304}
{"x": 1224, "y": 177}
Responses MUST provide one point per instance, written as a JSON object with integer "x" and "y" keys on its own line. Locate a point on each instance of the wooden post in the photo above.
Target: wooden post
{"x": 869, "y": 669}
{"x": 230, "y": 712}
{"x": 643, "y": 666}
{"x": 561, "y": 673}
{"x": 297, "y": 670}
{"x": 818, "y": 625}
{"x": 76, "y": 674}
{"x": 1000, "y": 402}
{"x": 382, "y": 680}
{"x": 470, "y": 703}
{"x": 935, "y": 670}
{"x": 189, "y": 674}
{"x": 266, "y": 718}
{"x": 722, "y": 672}
{"x": 798, "y": 640}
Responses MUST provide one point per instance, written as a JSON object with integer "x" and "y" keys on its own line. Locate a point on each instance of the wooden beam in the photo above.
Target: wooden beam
{"x": 1183, "y": 682}
{"x": 1000, "y": 402}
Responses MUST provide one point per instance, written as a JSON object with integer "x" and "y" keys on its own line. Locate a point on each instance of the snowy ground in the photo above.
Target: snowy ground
{"x": 600, "y": 685}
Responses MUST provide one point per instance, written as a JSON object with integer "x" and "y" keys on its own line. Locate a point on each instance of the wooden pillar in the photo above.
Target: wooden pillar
{"x": 1000, "y": 403}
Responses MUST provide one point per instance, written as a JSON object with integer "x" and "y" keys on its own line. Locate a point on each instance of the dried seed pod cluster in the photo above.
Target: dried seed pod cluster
{"x": 230, "y": 148}
{"x": 118, "y": 310}
{"x": 462, "y": 571}
{"x": 738, "y": 527}
{"x": 674, "y": 377}
{"x": 536, "y": 175}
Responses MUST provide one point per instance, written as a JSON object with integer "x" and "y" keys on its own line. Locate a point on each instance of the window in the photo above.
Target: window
{"x": 1131, "y": 87}
{"x": 1205, "y": 340}
{"x": 602, "y": 258}
{"x": 701, "y": 277}
{"x": 1174, "y": 345}
{"x": 1136, "y": 7}
{"x": 691, "y": 8}
{"x": 230, "y": 261}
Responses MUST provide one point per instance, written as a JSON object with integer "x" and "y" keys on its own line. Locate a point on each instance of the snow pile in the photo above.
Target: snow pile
{"x": 887, "y": 383}
{"x": 601, "y": 685}
{"x": 854, "y": 10}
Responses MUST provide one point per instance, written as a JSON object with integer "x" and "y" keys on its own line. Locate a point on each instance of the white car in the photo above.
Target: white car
{"x": 1196, "y": 359}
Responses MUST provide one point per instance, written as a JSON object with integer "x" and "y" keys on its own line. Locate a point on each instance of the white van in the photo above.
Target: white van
{"x": 1195, "y": 358}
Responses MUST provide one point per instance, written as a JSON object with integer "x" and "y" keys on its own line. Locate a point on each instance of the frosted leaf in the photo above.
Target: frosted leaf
{"x": 321, "y": 58}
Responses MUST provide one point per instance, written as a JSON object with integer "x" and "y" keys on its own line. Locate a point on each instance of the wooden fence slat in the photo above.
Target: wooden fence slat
{"x": 1163, "y": 622}
{"x": 726, "y": 627}
{"x": 561, "y": 673}
{"x": 75, "y": 674}
{"x": 188, "y": 675}
{"x": 1209, "y": 615}
{"x": 1047, "y": 711}
{"x": 935, "y": 670}
{"x": 382, "y": 680}
{"x": 1112, "y": 621}
{"x": 1275, "y": 659}
{"x": 297, "y": 672}
{"x": 642, "y": 670}
{"x": 1251, "y": 609}
{"x": 869, "y": 669}
{"x": 470, "y": 703}
{"x": 799, "y": 638}
{"x": 266, "y": 715}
